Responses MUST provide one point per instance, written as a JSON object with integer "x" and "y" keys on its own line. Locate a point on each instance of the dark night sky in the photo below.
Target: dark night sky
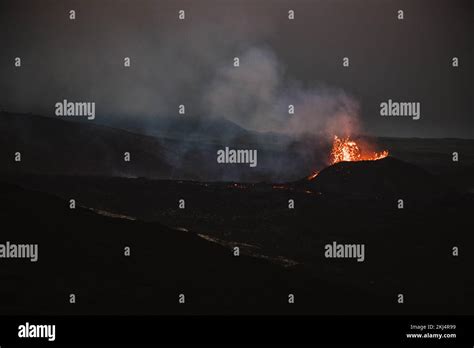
{"x": 177, "y": 62}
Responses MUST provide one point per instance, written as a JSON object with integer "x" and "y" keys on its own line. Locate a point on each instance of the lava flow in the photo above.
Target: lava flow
{"x": 348, "y": 150}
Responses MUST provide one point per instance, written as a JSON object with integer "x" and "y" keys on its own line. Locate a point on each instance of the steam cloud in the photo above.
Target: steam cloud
{"x": 173, "y": 63}
{"x": 256, "y": 96}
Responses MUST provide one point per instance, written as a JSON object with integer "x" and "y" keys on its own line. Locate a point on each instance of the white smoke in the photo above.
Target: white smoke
{"x": 256, "y": 95}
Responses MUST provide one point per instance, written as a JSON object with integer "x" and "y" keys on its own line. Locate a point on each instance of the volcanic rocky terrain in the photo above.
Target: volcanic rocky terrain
{"x": 407, "y": 250}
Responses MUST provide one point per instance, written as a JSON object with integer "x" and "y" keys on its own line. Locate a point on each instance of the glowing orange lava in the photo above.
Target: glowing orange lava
{"x": 348, "y": 150}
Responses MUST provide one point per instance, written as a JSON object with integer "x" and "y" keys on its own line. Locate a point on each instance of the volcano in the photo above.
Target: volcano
{"x": 386, "y": 177}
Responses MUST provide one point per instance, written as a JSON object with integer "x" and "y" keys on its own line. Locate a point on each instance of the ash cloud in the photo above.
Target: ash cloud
{"x": 257, "y": 95}
{"x": 189, "y": 62}
{"x": 173, "y": 62}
